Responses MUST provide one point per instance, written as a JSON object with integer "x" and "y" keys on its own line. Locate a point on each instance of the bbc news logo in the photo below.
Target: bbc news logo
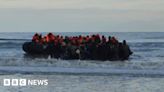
{"x": 24, "y": 82}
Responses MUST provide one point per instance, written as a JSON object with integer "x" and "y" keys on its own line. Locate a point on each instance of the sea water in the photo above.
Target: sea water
{"x": 142, "y": 72}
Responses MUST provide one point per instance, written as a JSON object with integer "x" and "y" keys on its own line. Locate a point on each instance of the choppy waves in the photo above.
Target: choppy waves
{"x": 81, "y": 71}
{"x": 148, "y": 55}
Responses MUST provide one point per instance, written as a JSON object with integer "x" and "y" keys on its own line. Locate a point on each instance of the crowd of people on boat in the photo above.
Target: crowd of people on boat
{"x": 94, "y": 47}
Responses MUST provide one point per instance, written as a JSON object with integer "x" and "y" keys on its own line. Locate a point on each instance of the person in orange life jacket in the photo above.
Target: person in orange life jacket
{"x": 35, "y": 38}
{"x": 114, "y": 41}
{"x": 87, "y": 39}
{"x": 103, "y": 39}
{"x": 55, "y": 41}
{"x": 97, "y": 39}
{"x": 40, "y": 37}
{"x": 57, "y": 36}
{"x": 45, "y": 40}
{"x": 73, "y": 41}
{"x": 93, "y": 38}
{"x": 61, "y": 39}
{"x": 64, "y": 41}
{"x": 84, "y": 40}
{"x": 80, "y": 40}
{"x": 51, "y": 37}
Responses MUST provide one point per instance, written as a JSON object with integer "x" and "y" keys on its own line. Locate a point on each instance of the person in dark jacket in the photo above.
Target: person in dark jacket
{"x": 126, "y": 52}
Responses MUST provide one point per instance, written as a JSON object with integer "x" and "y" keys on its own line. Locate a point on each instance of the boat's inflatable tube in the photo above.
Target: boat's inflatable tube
{"x": 113, "y": 53}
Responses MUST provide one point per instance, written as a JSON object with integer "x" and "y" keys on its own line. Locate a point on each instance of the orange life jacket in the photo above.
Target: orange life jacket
{"x": 51, "y": 38}
{"x": 113, "y": 40}
{"x": 35, "y": 39}
{"x": 45, "y": 39}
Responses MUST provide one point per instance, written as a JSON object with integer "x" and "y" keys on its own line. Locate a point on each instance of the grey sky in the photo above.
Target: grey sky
{"x": 81, "y": 15}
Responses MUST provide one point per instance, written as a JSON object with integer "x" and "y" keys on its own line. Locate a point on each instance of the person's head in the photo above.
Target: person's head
{"x": 80, "y": 36}
{"x": 36, "y": 34}
{"x": 120, "y": 44}
{"x": 93, "y": 36}
{"x": 49, "y": 34}
{"x": 40, "y": 36}
{"x": 61, "y": 37}
{"x": 103, "y": 36}
{"x": 124, "y": 42}
{"x": 109, "y": 38}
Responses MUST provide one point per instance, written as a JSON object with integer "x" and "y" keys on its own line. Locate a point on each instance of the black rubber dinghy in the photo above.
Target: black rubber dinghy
{"x": 103, "y": 52}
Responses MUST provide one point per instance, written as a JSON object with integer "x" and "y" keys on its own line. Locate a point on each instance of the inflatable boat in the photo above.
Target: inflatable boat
{"x": 103, "y": 52}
